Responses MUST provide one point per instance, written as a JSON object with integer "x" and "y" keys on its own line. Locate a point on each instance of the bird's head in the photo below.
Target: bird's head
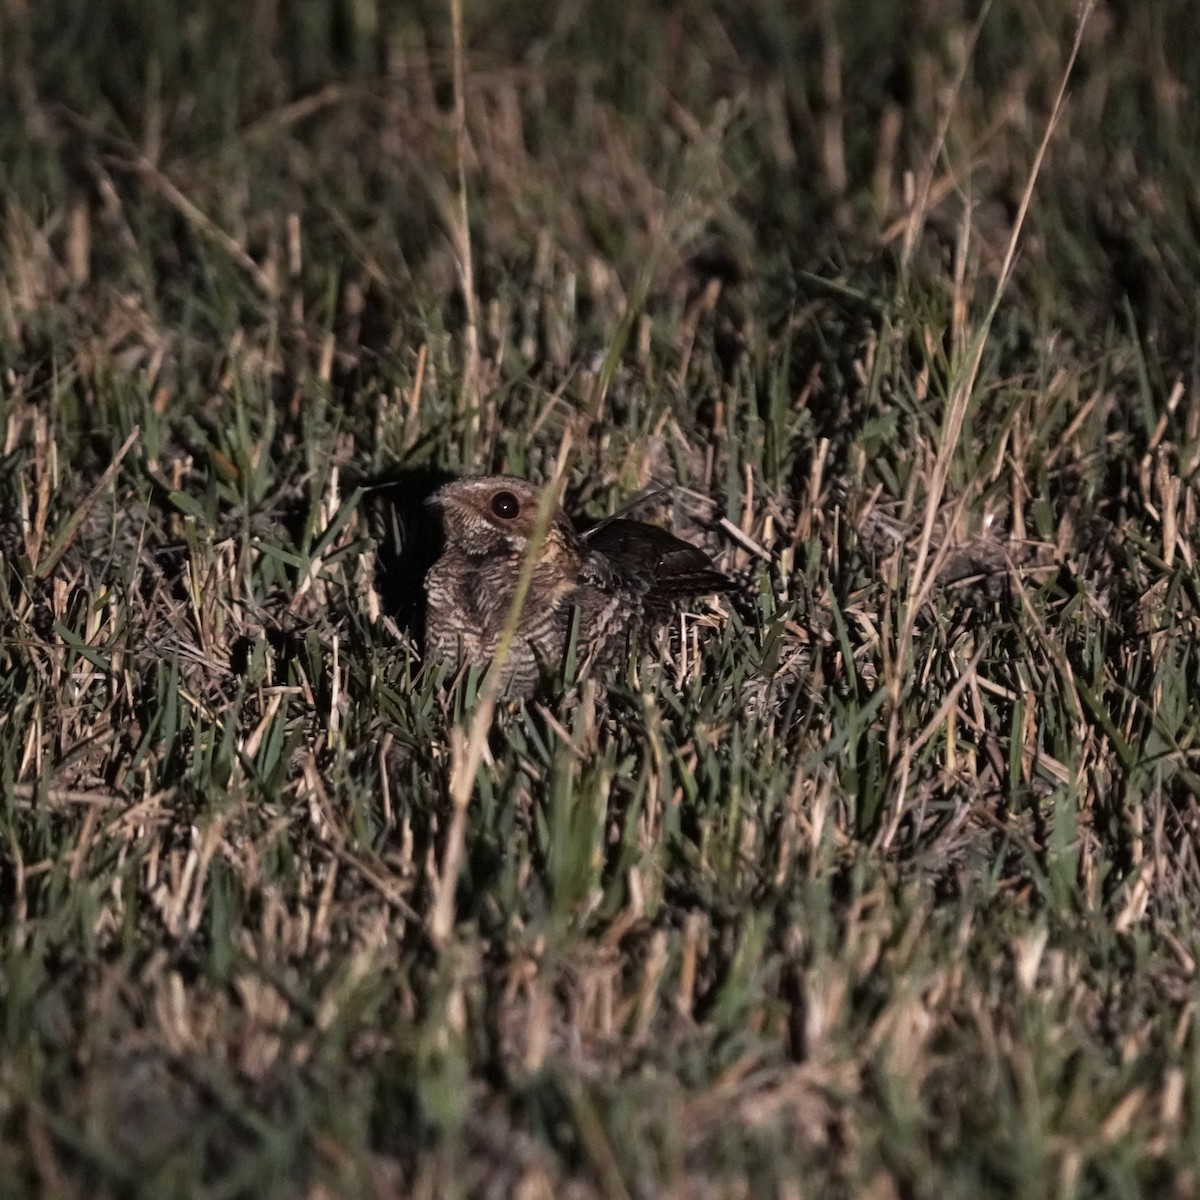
{"x": 496, "y": 516}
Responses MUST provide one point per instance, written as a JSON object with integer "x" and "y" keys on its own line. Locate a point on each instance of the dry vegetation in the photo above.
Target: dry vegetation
{"x": 882, "y": 882}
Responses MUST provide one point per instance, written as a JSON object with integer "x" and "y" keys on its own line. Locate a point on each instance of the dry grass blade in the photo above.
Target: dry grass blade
{"x": 76, "y": 519}
{"x": 461, "y": 228}
{"x": 921, "y": 580}
{"x": 916, "y": 218}
{"x": 202, "y": 223}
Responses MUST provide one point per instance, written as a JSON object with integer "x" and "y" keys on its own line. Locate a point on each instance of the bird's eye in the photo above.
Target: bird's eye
{"x": 505, "y": 505}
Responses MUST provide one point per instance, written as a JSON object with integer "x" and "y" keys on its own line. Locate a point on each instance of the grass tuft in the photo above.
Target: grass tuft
{"x": 878, "y": 878}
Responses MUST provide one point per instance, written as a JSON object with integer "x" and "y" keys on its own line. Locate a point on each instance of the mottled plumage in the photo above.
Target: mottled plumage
{"x": 621, "y": 578}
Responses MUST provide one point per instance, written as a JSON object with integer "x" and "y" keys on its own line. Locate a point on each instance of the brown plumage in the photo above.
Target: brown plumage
{"x": 621, "y": 579}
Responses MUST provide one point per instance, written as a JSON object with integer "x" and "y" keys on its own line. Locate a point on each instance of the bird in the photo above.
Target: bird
{"x": 605, "y": 587}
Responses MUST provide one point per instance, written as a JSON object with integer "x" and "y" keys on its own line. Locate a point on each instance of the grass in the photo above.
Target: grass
{"x": 880, "y": 882}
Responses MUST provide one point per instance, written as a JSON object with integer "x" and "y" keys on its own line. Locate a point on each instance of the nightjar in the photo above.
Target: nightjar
{"x": 616, "y": 581}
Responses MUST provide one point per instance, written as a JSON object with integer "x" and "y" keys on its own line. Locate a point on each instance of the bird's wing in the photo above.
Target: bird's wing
{"x": 668, "y": 565}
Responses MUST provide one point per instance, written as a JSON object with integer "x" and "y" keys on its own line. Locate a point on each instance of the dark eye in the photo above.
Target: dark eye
{"x": 505, "y": 505}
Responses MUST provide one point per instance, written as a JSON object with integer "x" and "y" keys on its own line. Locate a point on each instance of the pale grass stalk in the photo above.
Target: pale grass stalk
{"x": 467, "y": 750}
{"x": 78, "y": 516}
{"x": 921, "y": 580}
{"x": 912, "y": 749}
{"x": 920, "y": 206}
{"x": 204, "y": 224}
{"x": 462, "y": 229}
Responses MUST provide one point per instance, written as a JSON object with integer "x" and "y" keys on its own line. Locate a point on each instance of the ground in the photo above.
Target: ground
{"x": 878, "y": 877}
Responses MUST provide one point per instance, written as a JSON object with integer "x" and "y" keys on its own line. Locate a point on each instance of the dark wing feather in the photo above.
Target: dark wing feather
{"x": 666, "y": 566}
